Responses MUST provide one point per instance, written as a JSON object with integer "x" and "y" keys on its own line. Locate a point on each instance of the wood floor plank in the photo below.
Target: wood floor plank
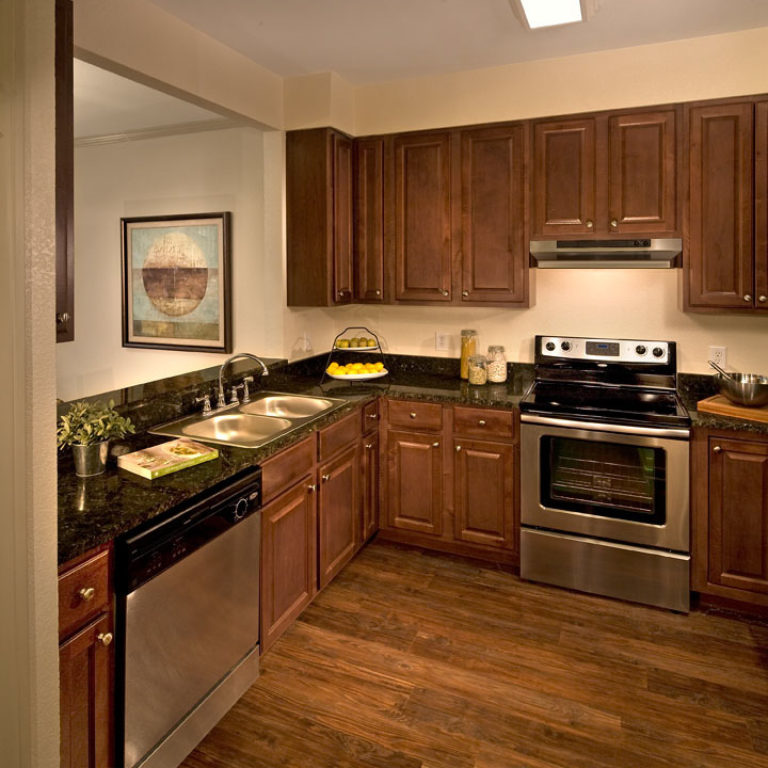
{"x": 412, "y": 659}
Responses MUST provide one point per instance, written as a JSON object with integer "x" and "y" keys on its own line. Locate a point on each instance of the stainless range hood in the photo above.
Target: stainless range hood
{"x": 638, "y": 253}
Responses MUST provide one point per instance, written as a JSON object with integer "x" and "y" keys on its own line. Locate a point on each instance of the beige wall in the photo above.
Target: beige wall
{"x": 191, "y": 173}
{"x": 28, "y": 594}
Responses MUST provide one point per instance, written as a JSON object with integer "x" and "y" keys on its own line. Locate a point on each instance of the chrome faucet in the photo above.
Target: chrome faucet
{"x": 264, "y": 372}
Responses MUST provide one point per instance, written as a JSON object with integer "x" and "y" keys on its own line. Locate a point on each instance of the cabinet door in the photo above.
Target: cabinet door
{"x": 369, "y": 220}
{"x": 288, "y": 559}
{"x": 342, "y": 218}
{"x": 761, "y": 205}
{"x": 65, "y": 175}
{"x": 369, "y": 472}
{"x": 338, "y": 514}
{"x": 564, "y": 178}
{"x": 85, "y": 673}
{"x": 738, "y": 514}
{"x": 642, "y": 173}
{"x": 720, "y": 262}
{"x": 494, "y": 249}
{"x": 414, "y": 482}
{"x": 423, "y": 217}
{"x": 484, "y": 478}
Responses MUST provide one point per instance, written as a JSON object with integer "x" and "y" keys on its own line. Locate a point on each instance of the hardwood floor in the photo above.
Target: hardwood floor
{"x": 412, "y": 659}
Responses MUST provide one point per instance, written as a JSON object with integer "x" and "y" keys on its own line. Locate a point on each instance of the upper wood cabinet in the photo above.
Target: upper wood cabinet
{"x": 65, "y": 174}
{"x": 607, "y": 174}
{"x": 492, "y": 200}
{"x": 369, "y": 220}
{"x": 720, "y": 265}
{"x": 761, "y": 206}
{"x": 422, "y": 216}
{"x": 319, "y": 217}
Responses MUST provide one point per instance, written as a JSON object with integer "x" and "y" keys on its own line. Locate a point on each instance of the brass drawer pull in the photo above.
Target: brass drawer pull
{"x": 412, "y": 414}
{"x": 717, "y": 449}
{"x": 326, "y": 478}
{"x": 105, "y": 638}
{"x": 435, "y": 445}
{"x": 87, "y": 594}
{"x": 481, "y": 422}
{"x": 458, "y": 448}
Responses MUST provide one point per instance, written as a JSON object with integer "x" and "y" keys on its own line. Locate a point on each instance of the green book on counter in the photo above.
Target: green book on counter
{"x": 167, "y": 457}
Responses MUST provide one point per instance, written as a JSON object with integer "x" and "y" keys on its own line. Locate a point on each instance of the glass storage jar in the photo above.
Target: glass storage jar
{"x": 477, "y": 369}
{"x": 468, "y": 348}
{"x": 497, "y": 364}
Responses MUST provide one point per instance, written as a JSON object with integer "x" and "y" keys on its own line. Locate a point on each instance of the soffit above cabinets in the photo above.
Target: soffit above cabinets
{"x": 369, "y": 41}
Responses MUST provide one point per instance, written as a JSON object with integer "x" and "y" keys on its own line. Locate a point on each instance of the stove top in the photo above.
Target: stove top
{"x": 614, "y": 381}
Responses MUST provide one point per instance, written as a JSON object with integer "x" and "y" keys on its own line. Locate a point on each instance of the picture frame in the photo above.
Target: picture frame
{"x": 176, "y": 282}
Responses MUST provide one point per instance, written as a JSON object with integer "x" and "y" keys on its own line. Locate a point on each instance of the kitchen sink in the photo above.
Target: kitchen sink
{"x": 250, "y": 425}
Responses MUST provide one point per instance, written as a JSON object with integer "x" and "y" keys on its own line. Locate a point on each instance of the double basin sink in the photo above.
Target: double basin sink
{"x": 267, "y": 416}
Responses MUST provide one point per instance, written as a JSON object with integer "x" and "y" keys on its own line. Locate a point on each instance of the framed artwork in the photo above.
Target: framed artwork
{"x": 176, "y": 282}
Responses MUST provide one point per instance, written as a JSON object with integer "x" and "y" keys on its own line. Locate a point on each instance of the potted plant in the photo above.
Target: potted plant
{"x": 88, "y": 428}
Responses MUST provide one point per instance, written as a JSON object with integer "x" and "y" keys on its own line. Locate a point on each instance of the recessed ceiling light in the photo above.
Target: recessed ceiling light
{"x": 551, "y": 13}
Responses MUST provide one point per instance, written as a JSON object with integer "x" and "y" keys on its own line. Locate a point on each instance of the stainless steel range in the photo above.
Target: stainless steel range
{"x": 604, "y": 467}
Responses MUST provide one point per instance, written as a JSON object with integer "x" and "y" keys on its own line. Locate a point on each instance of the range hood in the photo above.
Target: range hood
{"x": 638, "y": 253}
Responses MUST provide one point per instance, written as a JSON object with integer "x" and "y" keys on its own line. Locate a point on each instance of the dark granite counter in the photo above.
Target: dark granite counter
{"x": 94, "y": 511}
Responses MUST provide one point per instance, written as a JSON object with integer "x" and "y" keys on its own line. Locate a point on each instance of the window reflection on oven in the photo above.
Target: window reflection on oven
{"x": 625, "y": 482}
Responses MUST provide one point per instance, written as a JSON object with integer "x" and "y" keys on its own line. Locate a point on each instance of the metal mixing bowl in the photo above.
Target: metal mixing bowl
{"x": 744, "y": 388}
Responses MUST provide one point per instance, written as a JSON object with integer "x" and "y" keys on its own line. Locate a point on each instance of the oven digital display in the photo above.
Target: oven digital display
{"x": 604, "y": 348}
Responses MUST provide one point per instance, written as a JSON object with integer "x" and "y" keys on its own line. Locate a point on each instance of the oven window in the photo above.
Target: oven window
{"x": 627, "y": 482}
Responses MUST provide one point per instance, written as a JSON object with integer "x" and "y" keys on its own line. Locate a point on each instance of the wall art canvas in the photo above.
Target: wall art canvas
{"x": 176, "y": 282}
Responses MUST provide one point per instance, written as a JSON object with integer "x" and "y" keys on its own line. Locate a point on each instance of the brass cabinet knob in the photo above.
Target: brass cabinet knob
{"x": 372, "y": 416}
{"x": 87, "y": 594}
{"x": 444, "y": 292}
{"x": 589, "y": 223}
{"x": 458, "y": 448}
{"x": 312, "y": 487}
{"x": 369, "y": 446}
{"x": 481, "y": 422}
{"x": 614, "y": 223}
{"x": 326, "y": 478}
{"x": 412, "y": 414}
{"x": 105, "y": 638}
{"x": 762, "y": 299}
{"x": 717, "y": 449}
{"x": 341, "y": 294}
{"x": 465, "y": 293}
{"x": 435, "y": 444}
{"x": 747, "y": 297}
{"x": 378, "y": 292}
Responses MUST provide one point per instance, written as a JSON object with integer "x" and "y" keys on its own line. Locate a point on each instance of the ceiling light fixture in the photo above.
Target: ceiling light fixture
{"x": 535, "y": 14}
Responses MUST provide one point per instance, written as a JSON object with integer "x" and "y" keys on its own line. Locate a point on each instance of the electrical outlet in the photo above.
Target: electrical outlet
{"x": 719, "y": 355}
{"x": 442, "y": 341}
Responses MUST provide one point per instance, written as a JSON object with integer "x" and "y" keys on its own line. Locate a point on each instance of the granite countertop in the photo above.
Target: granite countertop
{"x": 96, "y": 510}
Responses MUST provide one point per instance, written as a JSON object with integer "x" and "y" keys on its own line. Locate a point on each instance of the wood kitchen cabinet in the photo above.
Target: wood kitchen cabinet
{"x": 422, "y": 216}
{"x": 369, "y": 221}
{"x": 492, "y": 214}
{"x": 730, "y": 515}
{"x": 65, "y": 174}
{"x": 319, "y": 170}
{"x": 370, "y": 470}
{"x": 86, "y": 664}
{"x": 607, "y": 174}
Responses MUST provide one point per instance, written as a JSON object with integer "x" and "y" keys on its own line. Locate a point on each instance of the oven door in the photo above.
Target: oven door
{"x": 626, "y": 484}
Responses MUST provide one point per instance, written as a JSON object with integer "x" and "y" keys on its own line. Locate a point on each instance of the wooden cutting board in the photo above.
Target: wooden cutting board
{"x": 722, "y": 406}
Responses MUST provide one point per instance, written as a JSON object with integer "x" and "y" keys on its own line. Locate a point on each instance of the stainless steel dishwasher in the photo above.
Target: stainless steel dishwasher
{"x": 188, "y": 622}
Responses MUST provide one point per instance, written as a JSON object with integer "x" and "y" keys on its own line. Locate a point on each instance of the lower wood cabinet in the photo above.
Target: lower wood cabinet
{"x": 730, "y": 520}
{"x": 415, "y": 482}
{"x": 369, "y": 486}
{"x": 86, "y": 665}
{"x": 338, "y": 514}
{"x": 288, "y": 559}
{"x": 484, "y": 482}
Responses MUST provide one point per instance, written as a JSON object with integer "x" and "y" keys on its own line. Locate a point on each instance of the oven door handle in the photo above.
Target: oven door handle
{"x": 621, "y": 429}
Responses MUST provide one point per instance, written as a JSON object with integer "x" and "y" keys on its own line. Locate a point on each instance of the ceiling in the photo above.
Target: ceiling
{"x": 368, "y": 41}
{"x": 107, "y": 105}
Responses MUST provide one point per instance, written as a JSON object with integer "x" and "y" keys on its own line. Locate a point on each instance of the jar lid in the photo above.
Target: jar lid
{"x": 468, "y": 332}
{"x": 495, "y": 348}
{"x": 477, "y": 360}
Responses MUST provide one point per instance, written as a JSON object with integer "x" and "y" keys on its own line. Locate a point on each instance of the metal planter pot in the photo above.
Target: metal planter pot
{"x": 91, "y": 459}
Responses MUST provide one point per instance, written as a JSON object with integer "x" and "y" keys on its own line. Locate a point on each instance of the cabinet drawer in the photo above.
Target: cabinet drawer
{"x": 371, "y": 417}
{"x": 283, "y": 470}
{"x": 414, "y": 415}
{"x": 84, "y": 592}
{"x": 339, "y": 435}
{"x": 480, "y": 422}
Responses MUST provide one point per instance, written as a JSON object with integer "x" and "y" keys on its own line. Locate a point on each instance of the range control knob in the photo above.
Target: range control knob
{"x": 550, "y": 345}
{"x": 640, "y": 349}
{"x": 658, "y": 351}
{"x": 565, "y": 345}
